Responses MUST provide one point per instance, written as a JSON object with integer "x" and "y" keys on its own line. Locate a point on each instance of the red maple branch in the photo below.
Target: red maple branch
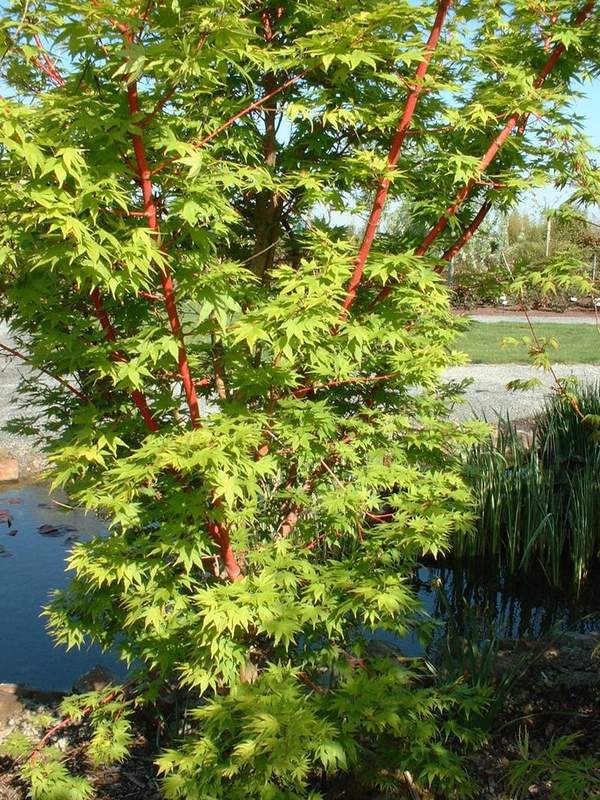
{"x": 138, "y": 398}
{"x": 491, "y": 152}
{"x": 150, "y": 296}
{"x": 68, "y": 721}
{"x": 311, "y": 684}
{"x": 294, "y": 510}
{"x": 332, "y": 384}
{"x": 162, "y": 101}
{"x": 468, "y": 233}
{"x": 218, "y": 531}
{"x": 46, "y": 64}
{"x": 160, "y": 104}
{"x": 220, "y": 534}
{"x": 168, "y": 288}
{"x": 394, "y": 154}
{"x": 486, "y": 207}
{"x": 40, "y": 65}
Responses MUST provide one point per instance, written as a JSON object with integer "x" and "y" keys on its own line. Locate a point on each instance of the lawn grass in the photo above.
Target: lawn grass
{"x": 579, "y": 344}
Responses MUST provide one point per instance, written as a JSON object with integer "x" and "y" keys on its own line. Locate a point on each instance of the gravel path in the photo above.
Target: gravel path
{"x": 555, "y": 319}
{"x": 11, "y": 372}
{"x": 488, "y": 397}
{"x": 565, "y": 318}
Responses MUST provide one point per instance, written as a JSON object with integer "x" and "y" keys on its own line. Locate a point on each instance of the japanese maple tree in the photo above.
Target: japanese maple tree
{"x": 250, "y": 397}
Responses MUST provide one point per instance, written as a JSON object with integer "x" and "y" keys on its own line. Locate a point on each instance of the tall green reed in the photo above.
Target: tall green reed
{"x": 539, "y": 501}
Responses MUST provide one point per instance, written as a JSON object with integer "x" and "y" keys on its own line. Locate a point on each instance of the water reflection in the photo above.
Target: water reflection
{"x": 35, "y": 536}
{"x": 35, "y": 545}
{"x": 506, "y": 606}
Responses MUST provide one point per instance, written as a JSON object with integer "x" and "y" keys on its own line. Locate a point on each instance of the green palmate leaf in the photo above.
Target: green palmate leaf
{"x": 17, "y": 745}
{"x": 51, "y": 780}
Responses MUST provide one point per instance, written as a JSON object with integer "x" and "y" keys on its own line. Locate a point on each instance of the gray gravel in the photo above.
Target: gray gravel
{"x": 20, "y": 447}
{"x": 488, "y": 397}
{"x": 558, "y": 319}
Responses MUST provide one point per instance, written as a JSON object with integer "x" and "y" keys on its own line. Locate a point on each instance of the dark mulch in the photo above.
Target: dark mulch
{"x": 558, "y": 695}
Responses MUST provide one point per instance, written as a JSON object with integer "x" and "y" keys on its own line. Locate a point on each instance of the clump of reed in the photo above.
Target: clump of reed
{"x": 538, "y": 501}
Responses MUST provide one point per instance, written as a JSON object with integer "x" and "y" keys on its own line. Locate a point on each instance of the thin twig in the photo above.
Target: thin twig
{"x": 60, "y": 380}
{"x": 68, "y": 721}
{"x": 540, "y": 348}
{"x": 117, "y": 355}
{"x": 252, "y": 107}
{"x": 334, "y": 384}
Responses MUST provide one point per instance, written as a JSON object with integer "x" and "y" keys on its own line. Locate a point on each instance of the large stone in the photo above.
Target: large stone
{"x": 10, "y": 703}
{"x": 94, "y": 680}
{"x": 9, "y": 469}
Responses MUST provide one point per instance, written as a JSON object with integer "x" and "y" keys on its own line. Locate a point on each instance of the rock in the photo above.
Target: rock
{"x": 39, "y": 699}
{"x": 9, "y": 469}
{"x": 94, "y": 680}
{"x": 55, "y": 530}
{"x": 49, "y": 530}
{"x": 526, "y": 438}
{"x": 10, "y": 704}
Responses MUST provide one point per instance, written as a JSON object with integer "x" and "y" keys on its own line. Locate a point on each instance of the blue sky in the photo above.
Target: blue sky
{"x": 588, "y": 108}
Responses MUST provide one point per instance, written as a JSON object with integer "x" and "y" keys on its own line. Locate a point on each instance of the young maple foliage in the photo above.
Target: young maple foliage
{"x": 251, "y": 397}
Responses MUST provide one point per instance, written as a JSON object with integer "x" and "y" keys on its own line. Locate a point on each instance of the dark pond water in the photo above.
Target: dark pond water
{"x": 32, "y": 564}
{"x": 522, "y": 606}
{"x": 479, "y": 602}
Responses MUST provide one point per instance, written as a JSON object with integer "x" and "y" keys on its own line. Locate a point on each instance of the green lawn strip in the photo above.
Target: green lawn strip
{"x": 579, "y": 344}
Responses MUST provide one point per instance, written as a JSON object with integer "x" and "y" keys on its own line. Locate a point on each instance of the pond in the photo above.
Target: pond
{"x": 33, "y": 549}
{"x": 480, "y": 602}
{"x": 32, "y": 563}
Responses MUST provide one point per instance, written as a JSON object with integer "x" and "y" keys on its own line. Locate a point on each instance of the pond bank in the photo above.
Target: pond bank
{"x": 555, "y": 694}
